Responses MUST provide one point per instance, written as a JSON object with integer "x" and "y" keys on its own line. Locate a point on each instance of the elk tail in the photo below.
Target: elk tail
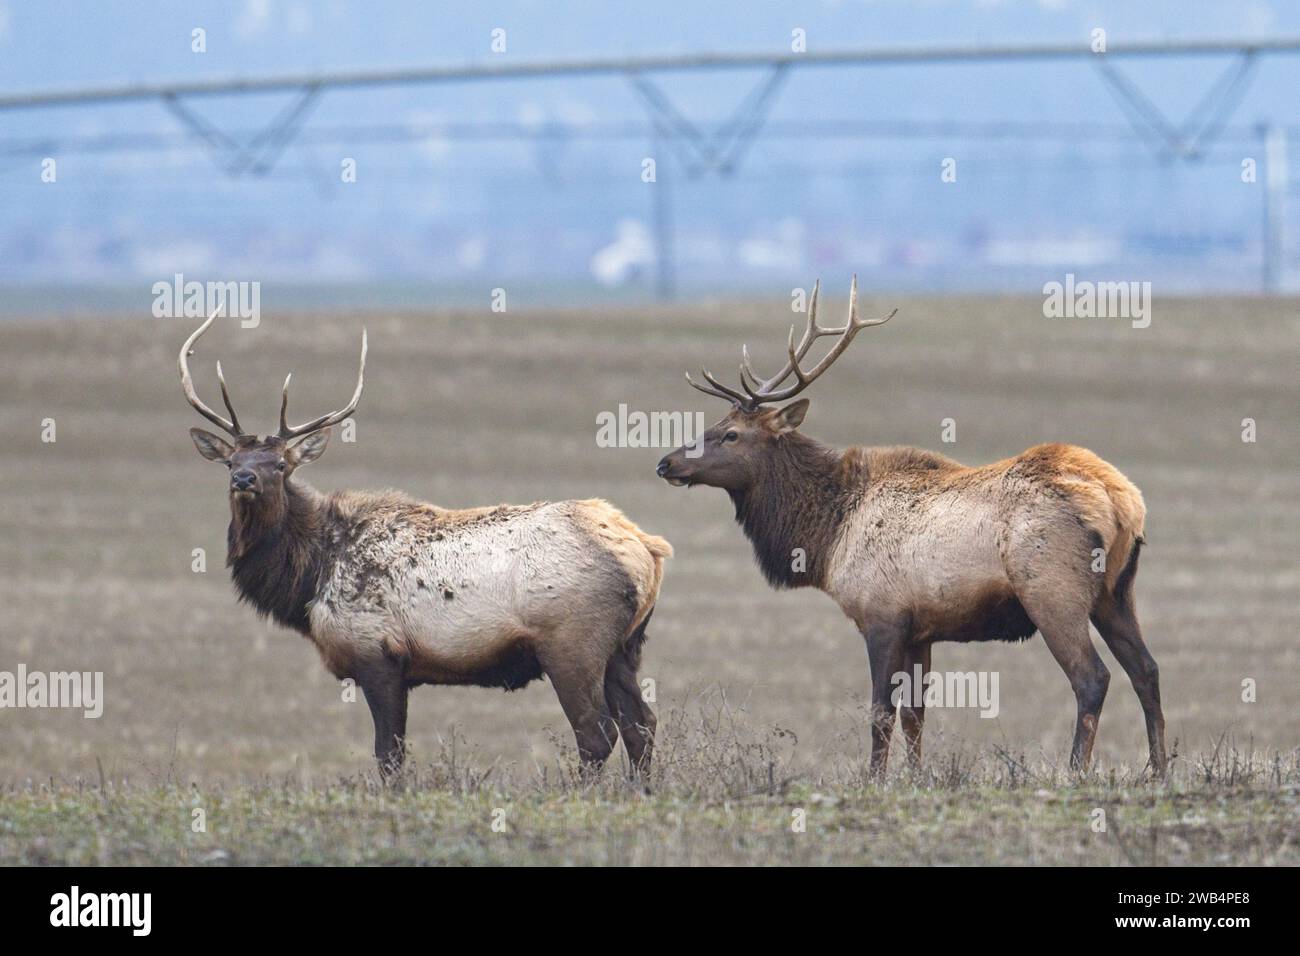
{"x": 1123, "y": 589}
{"x": 1130, "y": 518}
{"x": 657, "y": 546}
{"x": 632, "y": 644}
{"x": 659, "y": 550}
{"x": 641, "y": 555}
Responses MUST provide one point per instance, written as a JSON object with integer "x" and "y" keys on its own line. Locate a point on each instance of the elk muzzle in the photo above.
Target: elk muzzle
{"x": 672, "y": 469}
{"x": 243, "y": 483}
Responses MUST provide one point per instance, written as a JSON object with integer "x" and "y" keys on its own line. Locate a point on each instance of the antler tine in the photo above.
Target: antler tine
{"x": 846, "y": 334}
{"x": 760, "y": 390}
{"x": 284, "y": 404}
{"x": 747, "y": 375}
{"x": 225, "y": 397}
{"x": 333, "y": 418}
{"x": 705, "y": 389}
{"x": 187, "y": 382}
{"x": 811, "y": 333}
{"x": 853, "y": 323}
{"x": 718, "y": 390}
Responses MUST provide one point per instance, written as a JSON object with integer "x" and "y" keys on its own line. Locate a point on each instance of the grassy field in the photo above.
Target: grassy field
{"x": 349, "y": 825}
{"x": 206, "y": 703}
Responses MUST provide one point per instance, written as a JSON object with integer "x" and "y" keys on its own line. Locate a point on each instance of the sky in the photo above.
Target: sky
{"x": 465, "y": 187}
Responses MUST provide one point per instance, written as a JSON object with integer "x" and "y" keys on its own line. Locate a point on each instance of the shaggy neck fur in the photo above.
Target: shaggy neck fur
{"x": 798, "y": 501}
{"x": 275, "y": 552}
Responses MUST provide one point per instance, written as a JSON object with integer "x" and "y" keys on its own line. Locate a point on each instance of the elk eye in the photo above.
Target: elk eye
{"x": 280, "y": 466}
{"x": 730, "y": 436}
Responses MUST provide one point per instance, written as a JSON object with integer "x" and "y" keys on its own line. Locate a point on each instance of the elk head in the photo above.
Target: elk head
{"x": 260, "y": 466}
{"x": 733, "y": 452}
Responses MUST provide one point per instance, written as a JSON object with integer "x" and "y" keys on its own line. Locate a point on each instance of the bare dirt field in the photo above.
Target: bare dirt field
{"x": 760, "y": 693}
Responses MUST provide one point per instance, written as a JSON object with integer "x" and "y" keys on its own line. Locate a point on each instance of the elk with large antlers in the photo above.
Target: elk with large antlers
{"x": 395, "y": 592}
{"x": 916, "y": 548}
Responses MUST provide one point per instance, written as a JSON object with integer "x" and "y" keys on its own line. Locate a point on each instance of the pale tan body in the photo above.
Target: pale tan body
{"x": 494, "y": 597}
{"x": 960, "y": 538}
{"x": 938, "y": 551}
{"x": 451, "y": 592}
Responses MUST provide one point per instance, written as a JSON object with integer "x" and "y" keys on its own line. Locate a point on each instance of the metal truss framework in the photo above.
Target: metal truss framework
{"x": 259, "y": 154}
{"x": 1206, "y": 120}
{"x": 723, "y": 149}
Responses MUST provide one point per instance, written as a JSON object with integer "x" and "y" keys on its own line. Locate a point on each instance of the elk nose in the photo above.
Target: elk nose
{"x": 242, "y": 480}
{"x": 663, "y": 467}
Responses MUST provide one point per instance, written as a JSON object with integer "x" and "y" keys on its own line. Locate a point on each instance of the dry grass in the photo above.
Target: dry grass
{"x": 725, "y": 792}
{"x": 96, "y": 533}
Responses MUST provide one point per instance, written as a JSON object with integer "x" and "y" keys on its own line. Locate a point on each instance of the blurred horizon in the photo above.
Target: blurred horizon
{"x": 537, "y": 184}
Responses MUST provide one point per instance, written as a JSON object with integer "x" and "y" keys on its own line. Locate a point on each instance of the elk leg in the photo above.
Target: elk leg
{"x": 1058, "y": 596}
{"x": 911, "y": 715}
{"x": 1117, "y": 623}
{"x": 386, "y": 693}
{"x": 581, "y": 689}
{"x": 636, "y": 721}
{"x": 1065, "y": 631}
{"x": 887, "y": 652}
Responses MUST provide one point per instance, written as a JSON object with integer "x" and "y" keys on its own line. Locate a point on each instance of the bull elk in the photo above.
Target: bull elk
{"x": 916, "y": 548}
{"x": 395, "y": 592}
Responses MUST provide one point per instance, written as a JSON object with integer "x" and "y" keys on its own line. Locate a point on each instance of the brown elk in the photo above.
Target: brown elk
{"x": 395, "y": 592}
{"x": 917, "y": 548}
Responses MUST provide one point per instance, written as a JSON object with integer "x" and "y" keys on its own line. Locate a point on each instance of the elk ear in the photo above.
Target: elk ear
{"x": 790, "y": 417}
{"x": 309, "y": 449}
{"x": 211, "y": 446}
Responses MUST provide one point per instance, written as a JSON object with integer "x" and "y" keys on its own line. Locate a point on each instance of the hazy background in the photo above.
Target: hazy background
{"x": 465, "y": 406}
{"x": 535, "y": 185}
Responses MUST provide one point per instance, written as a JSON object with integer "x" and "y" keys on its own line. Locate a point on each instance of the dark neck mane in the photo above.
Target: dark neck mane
{"x": 276, "y": 555}
{"x": 798, "y": 501}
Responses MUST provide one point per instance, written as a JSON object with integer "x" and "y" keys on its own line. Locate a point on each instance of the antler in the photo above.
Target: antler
{"x": 811, "y": 333}
{"x": 333, "y": 418}
{"x": 187, "y": 383}
{"x": 718, "y": 390}
{"x": 759, "y": 391}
